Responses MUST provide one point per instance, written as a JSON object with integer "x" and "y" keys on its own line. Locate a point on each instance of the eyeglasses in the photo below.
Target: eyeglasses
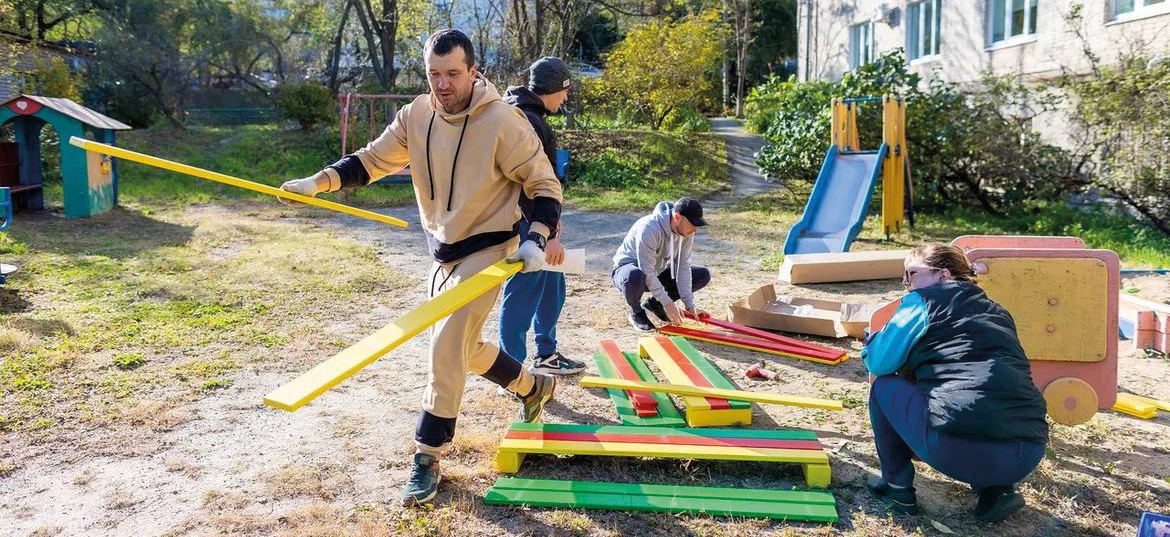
{"x": 906, "y": 276}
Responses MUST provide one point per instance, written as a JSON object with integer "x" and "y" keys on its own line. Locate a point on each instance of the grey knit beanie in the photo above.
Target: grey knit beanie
{"x": 548, "y": 75}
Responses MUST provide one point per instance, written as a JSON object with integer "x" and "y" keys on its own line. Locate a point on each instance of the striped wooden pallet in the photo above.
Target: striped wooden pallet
{"x": 791, "y": 446}
{"x": 682, "y": 364}
{"x": 645, "y": 405}
{"x": 716, "y": 501}
{"x": 665, "y": 416}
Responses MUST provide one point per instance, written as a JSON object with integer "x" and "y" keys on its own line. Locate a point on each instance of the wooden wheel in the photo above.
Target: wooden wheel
{"x": 1071, "y": 401}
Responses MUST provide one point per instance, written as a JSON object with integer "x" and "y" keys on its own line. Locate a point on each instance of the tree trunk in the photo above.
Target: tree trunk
{"x": 388, "y": 30}
{"x": 335, "y": 55}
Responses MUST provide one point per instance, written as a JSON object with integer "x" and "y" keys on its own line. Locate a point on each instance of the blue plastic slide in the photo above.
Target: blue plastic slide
{"x": 838, "y": 204}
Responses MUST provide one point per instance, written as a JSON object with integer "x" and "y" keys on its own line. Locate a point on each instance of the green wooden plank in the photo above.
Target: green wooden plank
{"x": 625, "y": 408}
{"x": 679, "y": 491}
{"x": 773, "y": 434}
{"x": 708, "y": 369}
{"x": 708, "y": 506}
{"x": 621, "y": 400}
{"x": 666, "y": 408}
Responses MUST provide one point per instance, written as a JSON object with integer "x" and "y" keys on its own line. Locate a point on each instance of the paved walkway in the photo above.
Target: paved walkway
{"x": 741, "y": 151}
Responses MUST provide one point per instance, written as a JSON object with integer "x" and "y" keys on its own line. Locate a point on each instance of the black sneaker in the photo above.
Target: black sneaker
{"x": 903, "y": 501}
{"x": 424, "y": 480}
{"x": 997, "y": 503}
{"x": 640, "y": 321}
{"x": 654, "y": 306}
{"x": 543, "y": 387}
{"x": 557, "y": 364}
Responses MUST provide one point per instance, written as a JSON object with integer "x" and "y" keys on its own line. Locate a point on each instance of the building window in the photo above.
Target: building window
{"x": 1121, "y": 7}
{"x": 860, "y": 44}
{"x": 1013, "y": 18}
{"x": 922, "y": 32}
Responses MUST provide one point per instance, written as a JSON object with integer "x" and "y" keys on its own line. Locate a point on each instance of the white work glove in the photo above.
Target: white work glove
{"x": 309, "y": 186}
{"x": 531, "y": 254}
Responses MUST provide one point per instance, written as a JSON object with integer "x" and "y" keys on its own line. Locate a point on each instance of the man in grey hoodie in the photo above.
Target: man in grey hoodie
{"x": 656, "y": 257}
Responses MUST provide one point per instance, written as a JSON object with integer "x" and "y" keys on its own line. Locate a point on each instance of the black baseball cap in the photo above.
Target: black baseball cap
{"x": 691, "y": 210}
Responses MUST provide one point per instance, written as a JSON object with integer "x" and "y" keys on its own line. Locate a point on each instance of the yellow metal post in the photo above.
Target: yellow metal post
{"x": 126, "y": 154}
{"x": 893, "y": 165}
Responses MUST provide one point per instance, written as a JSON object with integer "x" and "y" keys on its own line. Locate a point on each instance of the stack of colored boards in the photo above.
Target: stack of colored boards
{"x": 716, "y": 501}
{"x": 790, "y": 446}
{"x": 608, "y": 363}
{"x": 682, "y": 364}
{"x": 754, "y": 339}
{"x": 1141, "y": 407}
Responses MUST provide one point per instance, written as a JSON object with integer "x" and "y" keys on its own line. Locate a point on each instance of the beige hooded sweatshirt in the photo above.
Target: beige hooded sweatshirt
{"x": 467, "y": 169}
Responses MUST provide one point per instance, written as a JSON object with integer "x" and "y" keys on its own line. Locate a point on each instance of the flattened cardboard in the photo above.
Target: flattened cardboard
{"x": 843, "y": 267}
{"x": 828, "y": 318}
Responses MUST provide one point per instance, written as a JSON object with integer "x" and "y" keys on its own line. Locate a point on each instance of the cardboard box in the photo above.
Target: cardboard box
{"x": 829, "y": 318}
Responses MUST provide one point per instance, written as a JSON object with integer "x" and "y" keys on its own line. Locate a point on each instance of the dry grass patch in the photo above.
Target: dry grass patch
{"x": 323, "y": 480}
{"x": 121, "y": 499}
{"x": 158, "y": 416}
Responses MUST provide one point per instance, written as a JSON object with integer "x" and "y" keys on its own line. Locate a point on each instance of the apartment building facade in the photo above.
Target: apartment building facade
{"x": 960, "y": 40}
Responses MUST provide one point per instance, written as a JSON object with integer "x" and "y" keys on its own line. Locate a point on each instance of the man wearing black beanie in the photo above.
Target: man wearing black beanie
{"x": 534, "y": 300}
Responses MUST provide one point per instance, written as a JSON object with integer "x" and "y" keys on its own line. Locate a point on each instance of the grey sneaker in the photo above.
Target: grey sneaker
{"x": 640, "y": 321}
{"x": 542, "y": 392}
{"x": 557, "y": 364}
{"x": 424, "y": 481}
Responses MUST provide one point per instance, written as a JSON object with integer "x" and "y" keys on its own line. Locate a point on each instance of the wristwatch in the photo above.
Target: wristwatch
{"x": 538, "y": 239}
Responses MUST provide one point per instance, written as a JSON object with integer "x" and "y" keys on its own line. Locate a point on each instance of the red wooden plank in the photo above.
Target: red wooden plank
{"x": 762, "y": 334}
{"x": 663, "y": 439}
{"x": 697, "y": 378}
{"x": 751, "y": 342}
{"x": 644, "y": 403}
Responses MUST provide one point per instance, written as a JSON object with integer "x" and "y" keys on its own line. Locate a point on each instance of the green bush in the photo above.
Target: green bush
{"x": 309, "y": 103}
{"x": 686, "y": 119}
{"x": 609, "y": 170}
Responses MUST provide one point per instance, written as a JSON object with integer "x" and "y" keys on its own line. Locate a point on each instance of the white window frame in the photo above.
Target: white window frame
{"x": 1031, "y": 27}
{"x": 1141, "y": 9}
{"x": 915, "y": 49}
{"x": 861, "y": 53}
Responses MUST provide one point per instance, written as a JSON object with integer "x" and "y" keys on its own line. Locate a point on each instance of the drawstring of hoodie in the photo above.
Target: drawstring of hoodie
{"x": 454, "y": 161}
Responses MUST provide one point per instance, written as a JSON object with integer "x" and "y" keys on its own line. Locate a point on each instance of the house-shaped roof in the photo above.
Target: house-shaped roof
{"x": 29, "y": 104}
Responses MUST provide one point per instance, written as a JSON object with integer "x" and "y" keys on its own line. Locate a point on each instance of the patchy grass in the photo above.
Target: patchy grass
{"x": 632, "y": 170}
{"x": 201, "y": 292}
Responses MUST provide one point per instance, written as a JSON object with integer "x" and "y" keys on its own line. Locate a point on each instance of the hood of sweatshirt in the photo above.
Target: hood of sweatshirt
{"x": 525, "y": 99}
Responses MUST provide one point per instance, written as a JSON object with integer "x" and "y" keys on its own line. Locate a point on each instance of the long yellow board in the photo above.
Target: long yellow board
{"x": 695, "y": 391}
{"x": 1134, "y": 406}
{"x": 627, "y": 449}
{"x": 96, "y": 147}
{"x": 329, "y": 373}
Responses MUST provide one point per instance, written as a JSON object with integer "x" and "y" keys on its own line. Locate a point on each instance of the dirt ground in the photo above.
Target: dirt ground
{"x": 226, "y": 464}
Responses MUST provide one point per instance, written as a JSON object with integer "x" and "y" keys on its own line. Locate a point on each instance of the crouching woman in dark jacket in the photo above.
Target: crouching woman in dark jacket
{"x": 953, "y": 389}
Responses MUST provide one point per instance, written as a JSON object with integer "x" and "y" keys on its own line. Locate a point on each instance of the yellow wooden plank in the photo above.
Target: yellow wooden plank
{"x": 738, "y": 395}
{"x": 140, "y": 158}
{"x": 1160, "y": 405}
{"x": 719, "y": 417}
{"x": 648, "y": 346}
{"x": 1133, "y": 406}
{"x": 624, "y": 449}
{"x": 329, "y": 373}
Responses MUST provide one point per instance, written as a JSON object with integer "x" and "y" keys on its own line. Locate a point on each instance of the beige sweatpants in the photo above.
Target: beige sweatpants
{"x": 457, "y": 344}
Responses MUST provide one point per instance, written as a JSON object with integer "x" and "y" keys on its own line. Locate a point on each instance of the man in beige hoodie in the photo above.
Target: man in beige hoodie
{"x": 470, "y": 156}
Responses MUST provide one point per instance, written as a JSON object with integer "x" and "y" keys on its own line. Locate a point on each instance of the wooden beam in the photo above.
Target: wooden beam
{"x": 694, "y": 391}
{"x": 329, "y": 373}
{"x": 140, "y": 158}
